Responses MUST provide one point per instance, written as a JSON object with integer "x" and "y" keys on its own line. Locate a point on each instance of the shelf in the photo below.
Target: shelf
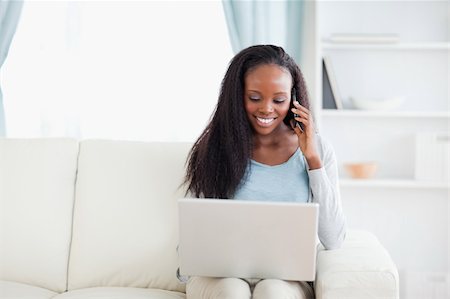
{"x": 394, "y": 46}
{"x": 393, "y": 183}
{"x": 394, "y": 114}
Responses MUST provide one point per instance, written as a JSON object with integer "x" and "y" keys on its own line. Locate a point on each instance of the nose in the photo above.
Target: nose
{"x": 266, "y": 107}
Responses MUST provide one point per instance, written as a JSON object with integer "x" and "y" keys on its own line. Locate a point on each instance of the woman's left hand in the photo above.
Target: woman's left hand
{"x": 306, "y": 137}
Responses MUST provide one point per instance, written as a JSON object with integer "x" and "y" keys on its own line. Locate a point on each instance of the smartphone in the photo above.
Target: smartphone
{"x": 294, "y": 98}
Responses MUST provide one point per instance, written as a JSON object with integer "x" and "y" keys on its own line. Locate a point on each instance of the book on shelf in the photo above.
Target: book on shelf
{"x": 432, "y": 161}
{"x": 330, "y": 92}
{"x": 374, "y": 38}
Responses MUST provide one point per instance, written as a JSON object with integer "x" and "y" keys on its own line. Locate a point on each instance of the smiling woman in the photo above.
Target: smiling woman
{"x": 115, "y": 69}
{"x": 253, "y": 150}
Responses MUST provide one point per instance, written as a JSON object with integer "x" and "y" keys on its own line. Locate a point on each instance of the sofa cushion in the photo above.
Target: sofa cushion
{"x": 120, "y": 293}
{"x": 15, "y": 290}
{"x": 362, "y": 268}
{"x": 125, "y": 216}
{"x": 37, "y": 178}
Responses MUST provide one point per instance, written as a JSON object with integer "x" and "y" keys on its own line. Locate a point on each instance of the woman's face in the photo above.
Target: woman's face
{"x": 267, "y": 97}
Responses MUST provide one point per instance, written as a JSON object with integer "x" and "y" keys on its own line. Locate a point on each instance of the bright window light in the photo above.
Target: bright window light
{"x": 146, "y": 70}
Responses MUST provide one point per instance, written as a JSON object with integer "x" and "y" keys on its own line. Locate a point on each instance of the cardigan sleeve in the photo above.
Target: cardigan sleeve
{"x": 324, "y": 184}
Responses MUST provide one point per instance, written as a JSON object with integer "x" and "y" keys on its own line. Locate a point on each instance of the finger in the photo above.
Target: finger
{"x": 292, "y": 122}
{"x": 300, "y": 113}
{"x": 305, "y": 122}
{"x": 298, "y": 130}
{"x": 299, "y": 106}
{"x": 295, "y": 126}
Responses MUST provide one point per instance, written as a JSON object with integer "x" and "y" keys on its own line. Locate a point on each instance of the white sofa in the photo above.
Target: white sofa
{"x": 98, "y": 219}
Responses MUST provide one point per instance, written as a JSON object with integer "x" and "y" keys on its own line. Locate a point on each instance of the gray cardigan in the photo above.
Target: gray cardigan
{"x": 324, "y": 190}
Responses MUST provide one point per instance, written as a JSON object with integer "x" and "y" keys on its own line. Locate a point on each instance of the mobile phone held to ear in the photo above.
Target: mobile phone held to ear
{"x": 294, "y": 98}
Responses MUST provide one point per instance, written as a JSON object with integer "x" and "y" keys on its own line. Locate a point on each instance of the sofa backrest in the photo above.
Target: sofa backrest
{"x": 37, "y": 178}
{"x": 125, "y": 229}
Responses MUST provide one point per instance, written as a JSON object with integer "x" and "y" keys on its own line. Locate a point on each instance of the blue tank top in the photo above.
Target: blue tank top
{"x": 284, "y": 182}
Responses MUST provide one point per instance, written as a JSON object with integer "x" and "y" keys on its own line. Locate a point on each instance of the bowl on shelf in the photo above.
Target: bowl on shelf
{"x": 361, "y": 170}
{"x": 390, "y": 103}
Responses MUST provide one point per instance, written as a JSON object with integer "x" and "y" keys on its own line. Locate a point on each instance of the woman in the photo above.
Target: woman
{"x": 261, "y": 144}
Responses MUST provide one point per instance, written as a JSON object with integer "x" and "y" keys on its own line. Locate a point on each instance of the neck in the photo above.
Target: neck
{"x": 275, "y": 139}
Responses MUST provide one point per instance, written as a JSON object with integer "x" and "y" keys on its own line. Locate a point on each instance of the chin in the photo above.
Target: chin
{"x": 267, "y": 130}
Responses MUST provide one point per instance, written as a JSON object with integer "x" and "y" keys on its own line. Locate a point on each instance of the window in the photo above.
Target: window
{"x": 148, "y": 70}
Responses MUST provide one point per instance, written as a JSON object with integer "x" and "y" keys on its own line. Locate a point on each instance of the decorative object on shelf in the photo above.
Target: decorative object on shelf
{"x": 330, "y": 91}
{"x": 361, "y": 170}
{"x": 432, "y": 157}
{"x": 371, "y": 38}
{"x": 390, "y": 103}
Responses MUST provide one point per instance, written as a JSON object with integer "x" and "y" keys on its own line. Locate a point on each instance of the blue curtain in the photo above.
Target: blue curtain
{"x": 9, "y": 17}
{"x": 265, "y": 22}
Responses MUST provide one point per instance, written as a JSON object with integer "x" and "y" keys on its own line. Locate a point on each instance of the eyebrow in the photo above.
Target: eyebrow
{"x": 277, "y": 93}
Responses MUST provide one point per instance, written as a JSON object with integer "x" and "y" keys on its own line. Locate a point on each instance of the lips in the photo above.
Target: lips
{"x": 265, "y": 121}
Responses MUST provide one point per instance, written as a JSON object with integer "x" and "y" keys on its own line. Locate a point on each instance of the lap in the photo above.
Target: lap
{"x": 281, "y": 289}
{"x": 235, "y": 288}
{"x": 217, "y": 288}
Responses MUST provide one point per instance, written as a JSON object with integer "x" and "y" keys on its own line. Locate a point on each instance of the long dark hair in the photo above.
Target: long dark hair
{"x": 218, "y": 159}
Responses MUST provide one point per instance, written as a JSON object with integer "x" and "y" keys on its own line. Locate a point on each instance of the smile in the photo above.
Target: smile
{"x": 265, "y": 121}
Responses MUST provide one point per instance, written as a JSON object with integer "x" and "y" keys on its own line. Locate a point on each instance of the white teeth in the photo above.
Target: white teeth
{"x": 265, "y": 120}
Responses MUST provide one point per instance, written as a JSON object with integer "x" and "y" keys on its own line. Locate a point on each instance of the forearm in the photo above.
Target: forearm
{"x": 332, "y": 224}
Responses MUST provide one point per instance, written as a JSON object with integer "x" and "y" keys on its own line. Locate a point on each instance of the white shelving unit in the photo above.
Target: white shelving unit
{"x": 387, "y": 114}
{"x": 392, "y": 183}
{"x": 390, "y": 47}
{"x": 417, "y": 67}
{"x": 408, "y": 215}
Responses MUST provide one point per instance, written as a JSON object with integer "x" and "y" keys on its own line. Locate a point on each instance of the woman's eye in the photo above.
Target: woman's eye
{"x": 254, "y": 99}
{"x": 278, "y": 101}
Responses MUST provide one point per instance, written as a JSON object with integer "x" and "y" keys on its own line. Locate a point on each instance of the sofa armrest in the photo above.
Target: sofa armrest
{"x": 361, "y": 268}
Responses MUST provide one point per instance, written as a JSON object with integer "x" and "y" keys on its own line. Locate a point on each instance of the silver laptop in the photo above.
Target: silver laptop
{"x": 248, "y": 239}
